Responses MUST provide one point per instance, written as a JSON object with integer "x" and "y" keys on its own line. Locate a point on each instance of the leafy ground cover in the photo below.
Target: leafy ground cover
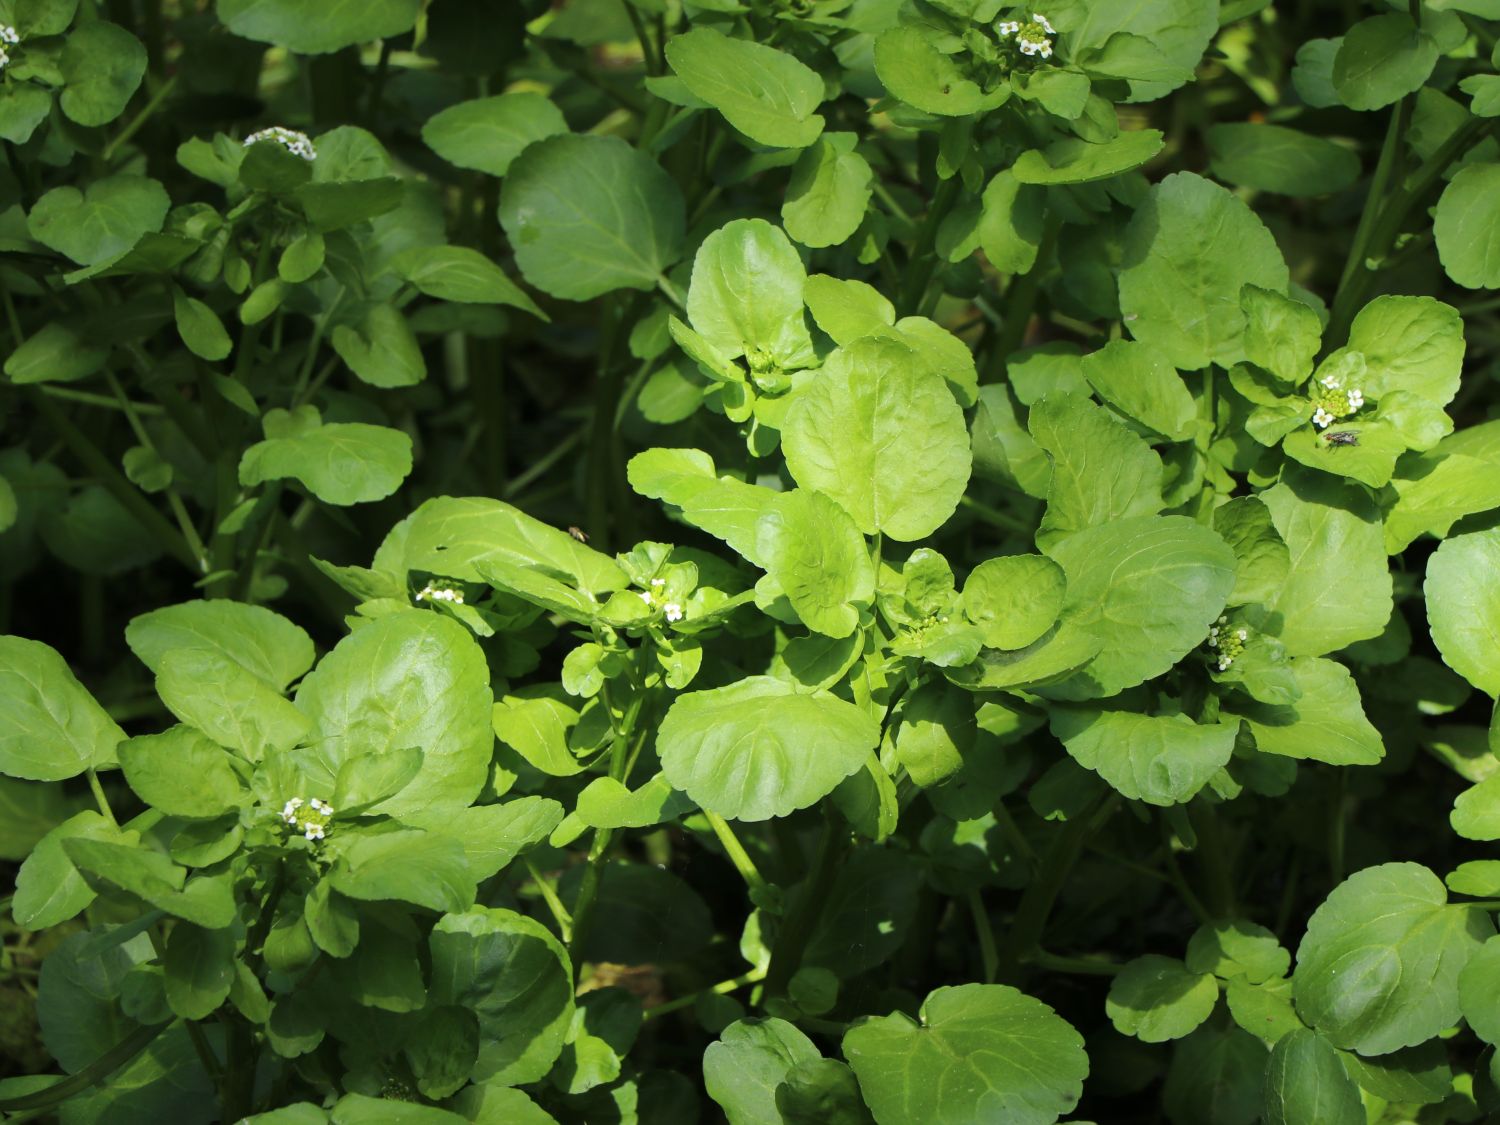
{"x": 779, "y": 561}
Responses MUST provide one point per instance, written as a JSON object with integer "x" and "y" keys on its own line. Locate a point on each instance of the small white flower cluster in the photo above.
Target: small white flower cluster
{"x": 652, "y": 597}
{"x": 298, "y": 144}
{"x": 312, "y": 823}
{"x": 1229, "y": 642}
{"x": 8, "y": 38}
{"x": 1334, "y": 402}
{"x": 440, "y": 592}
{"x": 1034, "y": 37}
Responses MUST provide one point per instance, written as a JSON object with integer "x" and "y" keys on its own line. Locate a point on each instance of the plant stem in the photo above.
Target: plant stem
{"x": 100, "y": 797}
{"x": 988, "y": 957}
{"x": 163, "y": 92}
{"x": 724, "y": 987}
{"x": 544, "y": 887}
{"x": 791, "y": 941}
{"x": 737, "y": 854}
{"x": 1088, "y": 966}
{"x": 995, "y": 516}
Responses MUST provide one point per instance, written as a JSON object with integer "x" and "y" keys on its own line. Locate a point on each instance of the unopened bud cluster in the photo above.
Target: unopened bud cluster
{"x": 1033, "y": 35}
{"x": 441, "y": 592}
{"x": 1227, "y": 642}
{"x": 298, "y": 144}
{"x": 309, "y": 818}
{"x": 1333, "y": 401}
{"x": 652, "y": 597}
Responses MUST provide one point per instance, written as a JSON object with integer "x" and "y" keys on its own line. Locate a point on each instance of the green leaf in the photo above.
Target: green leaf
{"x": 1379, "y": 966}
{"x": 1327, "y": 723}
{"x": 759, "y": 748}
{"x": 228, "y": 703}
{"x": 515, "y": 976}
{"x": 750, "y": 1061}
{"x": 726, "y": 508}
{"x": 338, "y": 462}
{"x": 383, "y": 350}
{"x": 487, "y": 134}
{"x": 745, "y": 298}
{"x": 1075, "y": 161}
{"x": 821, "y": 1092}
{"x": 408, "y": 865}
{"x": 1014, "y": 599}
{"x": 1277, "y": 159}
{"x": 1216, "y": 1075}
{"x": 847, "y": 310}
{"x": 149, "y": 875}
{"x": 764, "y": 93}
{"x": 371, "y": 778}
{"x": 49, "y": 889}
{"x": 588, "y": 215}
{"x": 200, "y": 327}
{"x": 182, "y": 773}
{"x": 828, "y": 193}
{"x": 814, "y": 553}
{"x": 1135, "y": 381}
{"x": 1467, "y": 227}
{"x": 1157, "y": 999}
{"x": 1413, "y": 344}
{"x": 1476, "y": 811}
{"x": 1338, "y": 587}
{"x": 1306, "y": 1081}
{"x": 51, "y": 728}
{"x": 982, "y": 1052}
{"x": 1476, "y": 991}
{"x": 199, "y": 969}
{"x": 1435, "y": 491}
{"x": 1011, "y": 224}
{"x": 411, "y": 678}
{"x": 336, "y": 204}
{"x": 1382, "y": 59}
{"x": 1236, "y": 950}
{"x": 1159, "y": 759}
{"x": 606, "y": 803}
{"x": 537, "y": 729}
{"x": 493, "y": 835}
{"x": 57, "y": 352}
{"x": 101, "y": 67}
{"x": 1101, "y": 471}
{"x": 882, "y": 437}
{"x": 1155, "y": 46}
{"x": 457, "y": 273}
{"x": 1148, "y": 589}
{"x": 330, "y": 27}
{"x": 913, "y": 69}
{"x": 22, "y": 108}
{"x": 258, "y": 639}
{"x": 1463, "y": 606}
{"x": 1189, "y": 250}
{"x": 1282, "y": 335}
{"x": 102, "y": 222}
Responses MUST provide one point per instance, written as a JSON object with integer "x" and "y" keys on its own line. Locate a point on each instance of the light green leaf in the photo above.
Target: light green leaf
{"x": 1382, "y": 59}
{"x": 1155, "y": 46}
{"x": 1437, "y": 490}
{"x": 764, "y": 93}
{"x": 49, "y": 889}
{"x": 1327, "y": 723}
{"x": 101, "y": 223}
{"x": 149, "y": 875}
{"x": 1148, "y": 589}
{"x": 258, "y": 639}
{"x": 51, "y": 728}
{"x": 982, "y": 1052}
{"x": 22, "y": 108}
{"x": 1282, "y": 334}
{"x": 1463, "y": 606}
{"x": 745, "y": 298}
{"x": 913, "y": 69}
{"x": 1477, "y": 987}
{"x": 1281, "y": 160}
{"x": 331, "y": 26}
{"x": 1467, "y": 227}
{"x": 182, "y": 773}
{"x": 1379, "y": 967}
{"x": 339, "y": 462}
{"x": 1010, "y": 226}
{"x": 1338, "y": 587}
{"x": 493, "y": 835}
{"x": 515, "y": 976}
{"x": 847, "y": 310}
{"x": 229, "y": 703}
{"x": 1137, "y": 382}
{"x": 882, "y": 437}
{"x": 828, "y": 193}
{"x": 411, "y": 678}
{"x": 605, "y": 803}
{"x": 588, "y": 215}
{"x": 1476, "y": 811}
{"x": 750, "y": 1061}
{"x": 1305, "y": 1081}
{"x": 814, "y": 553}
{"x": 486, "y": 134}
{"x": 382, "y": 350}
{"x": 1189, "y": 250}
{"x": 200, "y": 327}
{"x": 57, "y": 352}
{"x": 1157, "y": 999}
{"x": 1237, "y": 950}
{"x": 1413, "y": 344}
{"x": 407, "y": 865}
{"x": 1076, "y": 161}
{"x": 1101, "y": 471}
{"x": 1159, "y": 759}
{"x": 537, "y": 729}
{"x": 760, "y": 748}
{"x": 101, "y": 67}
{"x": 1014, "y": 599}
{"x": 457, "y": 273}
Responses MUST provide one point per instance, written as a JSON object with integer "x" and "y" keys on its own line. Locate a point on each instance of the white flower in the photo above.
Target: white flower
{"x": 658, "y": 582}
{"x": 1007, "y": 28}
{"x": 644, "y": 596}
{"x": 674, "y": 611}
{"x": 1240, "y": 633}
{"x": 1332, "y": 382}
{"x": 1322, "y": 418}
{"x": 1225, "y": 662}
{"x": 436, "y": 593}
{"x": 1046, "y": 26}
{"x": 298, "y": 144}
{"x": 1356, "y": 398}
{"x": 289, "y": 810}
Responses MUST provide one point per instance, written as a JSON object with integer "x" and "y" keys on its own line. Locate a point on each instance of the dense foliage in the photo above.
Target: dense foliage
{"x": 807, "y": 561}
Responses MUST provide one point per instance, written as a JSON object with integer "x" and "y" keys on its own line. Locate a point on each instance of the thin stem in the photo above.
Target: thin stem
{"x": 100, "y": 797}
{"x": 1087, "y": 966}
{"x": 723, "y": 988}
{"x": 988, "y": 957}
{"x": 995, "y": 516}
{"x": 89, "y": 398}
{"x": 737, "y": 854}
{"x": 163, "y": 92}
{"x": 544, "y": 887}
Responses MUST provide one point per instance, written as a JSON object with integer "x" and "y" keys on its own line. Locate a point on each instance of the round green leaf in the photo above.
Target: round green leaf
{"x": 750, "y": 1061}
{"x": 486, "y": 134}
{"x": 101, "y": 223}
{"x": 1467, "y": 227}
{"x": 101, "y": 66}
{"x": 1155, "y": 47}
{"x": 1326, "y": 722}
{"x": 913, "y": 69}
{"x": 1277, "y": 159}
{"x": 409, "y": 865}
{"x": 816, "y": 556}
{"x": 1157, "y": 999}
{"x": 882, "y": 437}
{"x": 1478, "y": 985}
{"x": 182, "y": 773}
{"x": 1305, "y": 1082}
{"x": 457, "y": 273}
{"x": 587, "y": 215}
{"x": 1381, "y": 60}
{"x": 760, "y": 748}
{"x": 339, "y": 462}
{"x": 324, "y": 27}
{"x": 1014, "y": 599}
{"x": 1463, "y": 606}
{"x": 1159, "y": 759}
{"x": 1101, "y": 469}
{"x": 764, "y": 93}
{"x": 51, "y": 728}
{"x": 258, "y": 639}
{"x": 828, "y": 193}
{"x": 200, "y": 327}
{"x": 1378, "y": 968}
{"x": 745, "y": 297}
{"x": 982, "y": 1052}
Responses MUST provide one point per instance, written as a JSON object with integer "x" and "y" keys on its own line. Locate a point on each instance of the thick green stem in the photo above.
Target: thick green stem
{"x": 989, "y": 958}
{"x": 736, "y": 853}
